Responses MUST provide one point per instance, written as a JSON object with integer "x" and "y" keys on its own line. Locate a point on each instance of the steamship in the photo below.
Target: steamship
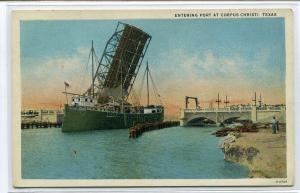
{"x": 105, "y": 104}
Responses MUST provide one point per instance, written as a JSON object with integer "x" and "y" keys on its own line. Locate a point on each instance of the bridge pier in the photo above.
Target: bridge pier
{"x": 218, "y": 119}
{"x": 183, "y": 121}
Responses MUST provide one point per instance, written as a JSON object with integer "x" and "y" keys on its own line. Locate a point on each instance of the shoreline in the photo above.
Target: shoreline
{"x": 262, "y": 152}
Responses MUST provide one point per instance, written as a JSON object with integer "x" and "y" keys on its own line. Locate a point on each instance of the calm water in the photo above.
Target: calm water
{"x": 177, "y": 152}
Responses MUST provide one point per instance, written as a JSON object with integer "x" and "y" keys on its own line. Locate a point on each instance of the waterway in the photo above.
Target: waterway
{"x": 171, "y": 153}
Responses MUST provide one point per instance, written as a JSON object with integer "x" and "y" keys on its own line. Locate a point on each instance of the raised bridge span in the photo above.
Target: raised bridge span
{"x": 220, "y": 115}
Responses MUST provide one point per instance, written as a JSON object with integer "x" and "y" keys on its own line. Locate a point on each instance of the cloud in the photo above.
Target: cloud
{"x": 225, "y": 69}
{"x": 43, "y": 79}
{"x": 179, "y": 73}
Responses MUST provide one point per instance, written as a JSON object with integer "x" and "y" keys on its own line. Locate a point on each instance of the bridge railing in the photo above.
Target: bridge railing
{"x": 236, "y": 109}
{"x": 271, "y": 108}
{"x": 217, "y": 110}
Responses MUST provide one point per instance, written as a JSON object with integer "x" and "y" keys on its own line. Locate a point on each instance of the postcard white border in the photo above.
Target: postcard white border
{"x": 138, "y": 14}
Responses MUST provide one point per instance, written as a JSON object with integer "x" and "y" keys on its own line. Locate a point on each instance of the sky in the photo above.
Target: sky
{"x": 187, "y": 57}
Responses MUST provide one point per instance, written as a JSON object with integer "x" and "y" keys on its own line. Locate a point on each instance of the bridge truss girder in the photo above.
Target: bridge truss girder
{"x": 101, "y": 80}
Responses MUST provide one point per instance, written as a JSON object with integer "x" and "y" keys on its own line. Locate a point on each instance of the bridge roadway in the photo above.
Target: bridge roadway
{"x": 252, "y": 113}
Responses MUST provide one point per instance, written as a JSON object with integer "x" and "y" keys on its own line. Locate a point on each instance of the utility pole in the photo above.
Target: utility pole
{"x": 260, "y": 101}
{"x": 254, "y": 99}
{"x": 254, "y": 110}
{"x": 218, "y": 100}
{"x": 226, "y": 101}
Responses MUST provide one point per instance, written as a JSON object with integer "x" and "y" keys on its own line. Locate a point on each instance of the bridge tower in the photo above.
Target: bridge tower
{"x": 187, "y": 101}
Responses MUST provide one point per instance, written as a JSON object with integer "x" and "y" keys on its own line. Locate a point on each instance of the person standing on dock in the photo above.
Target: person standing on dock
{"x": 274, "y": 125}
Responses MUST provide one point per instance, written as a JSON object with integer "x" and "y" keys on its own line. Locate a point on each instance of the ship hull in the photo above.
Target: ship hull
{"x": 84, "y": 119}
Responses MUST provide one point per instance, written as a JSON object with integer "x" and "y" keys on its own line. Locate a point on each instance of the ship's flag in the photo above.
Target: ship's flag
{"x": 67, "y": 84}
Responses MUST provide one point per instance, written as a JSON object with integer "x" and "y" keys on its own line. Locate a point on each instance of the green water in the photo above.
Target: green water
{"x": 171, "y": 153}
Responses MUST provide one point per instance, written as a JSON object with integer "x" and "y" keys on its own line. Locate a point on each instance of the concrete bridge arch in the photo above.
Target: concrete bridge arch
{"x": 219, "y": 116}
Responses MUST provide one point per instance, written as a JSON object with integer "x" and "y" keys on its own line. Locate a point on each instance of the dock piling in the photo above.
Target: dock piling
{"x": 138, "y": 129}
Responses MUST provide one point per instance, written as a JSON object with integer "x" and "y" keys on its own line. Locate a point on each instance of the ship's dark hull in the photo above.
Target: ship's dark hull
{"x": 84, "y": 119}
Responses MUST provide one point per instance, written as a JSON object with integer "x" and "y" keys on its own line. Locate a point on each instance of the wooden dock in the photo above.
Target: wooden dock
{"x": 138, "y": 129}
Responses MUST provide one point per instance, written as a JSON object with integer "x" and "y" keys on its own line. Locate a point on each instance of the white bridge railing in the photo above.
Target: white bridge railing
{"x": 236, "y": 109}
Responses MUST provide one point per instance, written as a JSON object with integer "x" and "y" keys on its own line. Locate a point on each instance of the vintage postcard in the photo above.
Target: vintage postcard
{"x": 152, "y": 98}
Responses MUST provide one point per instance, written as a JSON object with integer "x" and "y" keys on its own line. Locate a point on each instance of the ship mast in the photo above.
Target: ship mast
{"x": 93, "y": 69}
{"x": 122, "y": 94}
{"x": 147, "y": 69}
